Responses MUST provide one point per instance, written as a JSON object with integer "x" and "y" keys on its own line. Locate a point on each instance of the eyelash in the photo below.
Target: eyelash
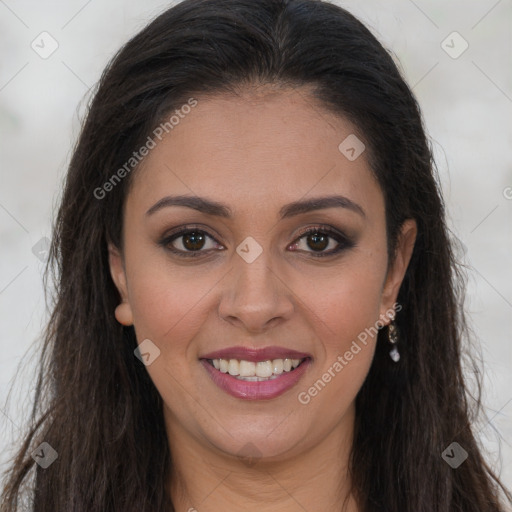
{"x": 343, "y": 241}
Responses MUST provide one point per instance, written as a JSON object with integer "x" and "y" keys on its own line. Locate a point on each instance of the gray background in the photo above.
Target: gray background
{"x": 466, "y": 103}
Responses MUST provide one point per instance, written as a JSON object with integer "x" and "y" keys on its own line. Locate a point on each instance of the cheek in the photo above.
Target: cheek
{"x": 355, "y": 304}
{"x": 346, "y": 303}
{"x": 345, "y": 311}
{"x": 169, "y": 309}
{"x": 167, "y": 305}
{"x": 166, "y": 299}
{"x": 345, "y": 322}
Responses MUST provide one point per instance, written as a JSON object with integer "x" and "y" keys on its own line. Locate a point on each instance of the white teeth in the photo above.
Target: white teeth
{"x": 264, "y": 369}
{"x": 247, "y": 368}
{"x": 257, "y": 379}
{"x": 278, "y": 366}
{"x": 233, "y": 367}
{"x": 223, "y": 365}
{"x": 261, "y": 370}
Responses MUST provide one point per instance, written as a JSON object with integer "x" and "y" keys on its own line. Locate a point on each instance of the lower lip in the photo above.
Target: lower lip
{"x": 263, "y": 390}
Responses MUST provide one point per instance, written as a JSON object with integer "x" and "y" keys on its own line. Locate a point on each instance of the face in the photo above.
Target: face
{"x": 267, "y": 275}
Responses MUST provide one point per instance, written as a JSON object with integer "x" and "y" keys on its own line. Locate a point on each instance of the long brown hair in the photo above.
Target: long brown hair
{"x": 95, "y": 403}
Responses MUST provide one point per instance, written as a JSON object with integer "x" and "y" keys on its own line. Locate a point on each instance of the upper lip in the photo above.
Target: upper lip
{"x": 255, "y": 354}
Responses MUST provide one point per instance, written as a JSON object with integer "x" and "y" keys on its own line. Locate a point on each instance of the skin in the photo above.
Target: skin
{"x": 255, "y": 152}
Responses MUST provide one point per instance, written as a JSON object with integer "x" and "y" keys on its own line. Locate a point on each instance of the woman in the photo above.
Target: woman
{"x": 254, "y": 283}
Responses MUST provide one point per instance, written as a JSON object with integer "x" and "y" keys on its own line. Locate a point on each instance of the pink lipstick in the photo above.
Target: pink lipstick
{"x": 274, "y": 382}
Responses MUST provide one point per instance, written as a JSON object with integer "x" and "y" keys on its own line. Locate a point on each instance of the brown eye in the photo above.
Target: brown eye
{"x": 194, "y": 240}
{"x": 190, "y": 242}
{"x": 316, "y": 240}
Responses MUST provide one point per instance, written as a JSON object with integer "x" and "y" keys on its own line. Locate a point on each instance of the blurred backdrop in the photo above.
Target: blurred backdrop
{"x": 457, "y": 57}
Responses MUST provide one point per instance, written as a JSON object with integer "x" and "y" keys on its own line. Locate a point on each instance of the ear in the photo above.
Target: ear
{"x": 123, "y": 312}
{"x": 396, "y": 272}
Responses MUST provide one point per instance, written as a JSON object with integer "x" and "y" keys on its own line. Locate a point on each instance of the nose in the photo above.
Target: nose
{"x": 256, "y": 296}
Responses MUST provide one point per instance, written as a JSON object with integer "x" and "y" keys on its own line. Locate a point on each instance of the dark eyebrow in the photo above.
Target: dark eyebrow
{"x": 319, "y": 203}
{"x": 195, "y": 202}
{"x": 289, "y": 210}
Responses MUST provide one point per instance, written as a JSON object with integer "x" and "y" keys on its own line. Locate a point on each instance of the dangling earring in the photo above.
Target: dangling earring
{"x": 393, "y": 339}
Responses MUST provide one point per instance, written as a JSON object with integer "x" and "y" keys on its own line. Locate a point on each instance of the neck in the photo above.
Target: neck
{"x": 209, "y": 480}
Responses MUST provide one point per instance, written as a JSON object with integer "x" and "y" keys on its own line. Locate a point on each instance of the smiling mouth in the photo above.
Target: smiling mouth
{"x": 259, "y": 371}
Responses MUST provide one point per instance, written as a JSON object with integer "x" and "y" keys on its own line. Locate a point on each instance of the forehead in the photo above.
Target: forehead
{"x": 256, "y": 147}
